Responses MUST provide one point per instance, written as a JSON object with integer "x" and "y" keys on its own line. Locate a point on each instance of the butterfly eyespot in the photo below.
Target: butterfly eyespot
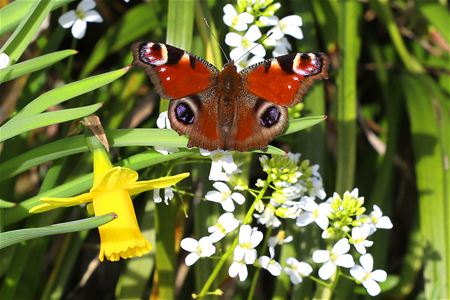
{"x": 154, "y": 53}
{"x": 270, "y": 116}
{"x": 184, "y": 114}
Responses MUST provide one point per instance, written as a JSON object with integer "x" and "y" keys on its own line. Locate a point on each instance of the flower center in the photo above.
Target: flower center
{"x": 235, "y": 21}
{"x": 246, "y": 245}
{"x": 246, "y": 43}
{"x": 225, "y": 196}
{"x": 81, "y": 14}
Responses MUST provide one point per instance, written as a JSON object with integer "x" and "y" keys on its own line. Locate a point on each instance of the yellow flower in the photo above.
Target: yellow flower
{"x": 111, "y": 192}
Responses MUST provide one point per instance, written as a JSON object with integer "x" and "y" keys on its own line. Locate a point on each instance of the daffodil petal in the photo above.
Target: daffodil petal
{"x": 115, "y": 179}
{"x": 66, "y": 202}
{"x": 159, "y": 183}
{"x": 41, "y": 208}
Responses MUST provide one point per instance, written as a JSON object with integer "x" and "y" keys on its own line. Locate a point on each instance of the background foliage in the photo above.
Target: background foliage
{"x": 387, "y": 133}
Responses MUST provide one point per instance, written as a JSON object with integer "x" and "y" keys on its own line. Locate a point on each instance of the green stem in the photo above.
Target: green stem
{"x": 258, "y": 271}
{"x": 247, "y": 219}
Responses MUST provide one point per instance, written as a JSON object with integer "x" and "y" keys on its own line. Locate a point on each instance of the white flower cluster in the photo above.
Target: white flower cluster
{"x": 246, "y": 21}
{"x": 78, "y": 18}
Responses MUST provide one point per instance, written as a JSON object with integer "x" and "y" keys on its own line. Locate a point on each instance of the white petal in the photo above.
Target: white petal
{"x": 322, "y": 221}
{"x": 327, "y": 270}
{"x": 274, "y": 268}
{"x": 379, "y": 275}
{"x": 292, "y": 20}
{"x": 372, "y": 287}
{"x": 191, "y": 258}
{"x": 215, "y": 173}
{"x": 360, "y": 248}
{"x": 294, "y": 276}
{"x": 227, "y": 205}
{"x": 216, "y": 236}
{"x": 264, "y": 261}
{"x": 79, "y": 29}
{"x": 228, "y": 164}
{"x": 308, "y": 204}
{"x": 320, "y": 256}
{"x": 237, "y": 53}
{"x": 253, "y": 33}
{"x": 358, "y": 272}
{"x": 240, "y": 26}
{"x": 245, "y": 234}
{"x": 238, "y": 197}
{"x": 234, "y": 269}
{"x": 208, "y": 249}
{"x": 189, "y": 244}
{"x": 86, "y": 5}
{"x": 229, "y": 10}
{"x": 67, "y": 19}
{"x": 376, "y": 211}
{"x": 214, "y": 196}
{"x": 384, "y": 223}
{"x": 258, "y": 50}
{"x": 355, "y": 193}
{"x": 228, "y": 20}
{"x": 367, "y": 262}
{"x": 342, "y": 246}
{"x": 269, "y": 21}
{"x": 156, "y": 196}
{"x": 294, "y": 31}
{"x": 222, "y": 187}
{"x": 256, "y": 238}
{"x": 304, "y": 219}
{"x": 243, "y": 273}
{"x": 233, "y": 39}
{"x": 93, "y": 16}
{"x": 246, "y": 18}
{"x": 250, "y": 256}
{"x": 275, "y": 32}
{"x": 4, "y": 60}
{"x": 304, "y": 268}
{"x": 345, "y": 261}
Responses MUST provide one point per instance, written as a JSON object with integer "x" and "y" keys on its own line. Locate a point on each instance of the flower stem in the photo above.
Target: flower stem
{"x": 258, "y": 271}
{"x": 247, "y": 219}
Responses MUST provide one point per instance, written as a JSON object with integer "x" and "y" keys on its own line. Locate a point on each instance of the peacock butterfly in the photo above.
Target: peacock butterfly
{"x": 228, "y": 109}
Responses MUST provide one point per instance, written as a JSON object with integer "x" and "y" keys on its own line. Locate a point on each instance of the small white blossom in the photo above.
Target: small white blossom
{"x": 331, "y": 259}
{"x": 201, "y": 248}
{"x": 4, "y": 60}
{"x": 168, "y": 195}
{"x": 270, "y": 264}
{"x": 248, "y": 240}
{"x": 288, "y": 25}
{"x": 377, "y": 220}
{"x": 238, "y": 268}
{"x": 359, "y": 236}
{"x": 366, "y": 276}
{"x": 279, "y": 239}
{"x": 222, "y": 165}
{"x": 297, "y": 270}
{"x": 246, "y": 43}
{"x": 78, "y": 18}
{"x": 225, "y": 224}
{"x": 224, "y": 196}
{"x": 234, "y": 20}
{"x": 163, "y": 122}
{"x": 268, "y": 217}
{"x": 313, "y": 212}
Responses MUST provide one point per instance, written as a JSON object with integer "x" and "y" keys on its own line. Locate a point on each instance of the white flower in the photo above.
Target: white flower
{"x": 245, "y": 43}
{"x": 279, "y": 239}
{"x": 168, "y": 195}
{"x": 377, "y": 220}
{"x": 268, "y": 217}
{"x": 248, "y": 240}
{"x": 270, "y": 264}
{"x": 77, "y": 19}
{"x": 359, "y": 236}
{"x": 297, "y": 270}
{"x": 221, "y": 160}
{"x": 313, "y": 212}
{"x": 232, "y": 19}
{"x": 317, "y": 190}
{"x": 288, "y": 25}
{"x": 245, "y": 62}
{"x": 366, "y": 276}
{"x": 224, "y": 196}
{"x": 226, "y": 224}
{"x": 238, "y": 268}
{"x": 163, "y": 122}
{"x": 331, "y": 259}
{"x": 4, "y": 60}
{"x": 201, "y": 248}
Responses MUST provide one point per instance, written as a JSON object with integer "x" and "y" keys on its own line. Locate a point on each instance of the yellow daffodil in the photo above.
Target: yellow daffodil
{"x": 111, "y": 192}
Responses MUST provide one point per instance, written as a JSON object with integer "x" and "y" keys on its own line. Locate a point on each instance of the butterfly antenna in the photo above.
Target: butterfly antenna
{"x": 265, "y": 38}
{"x": 217, "y": 40}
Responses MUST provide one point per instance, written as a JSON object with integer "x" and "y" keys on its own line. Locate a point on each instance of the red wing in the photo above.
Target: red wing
{"x": 285, "y": 79}
{"x": 174, "y": 72}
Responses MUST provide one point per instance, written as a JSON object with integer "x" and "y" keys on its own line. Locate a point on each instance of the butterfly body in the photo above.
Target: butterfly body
{"x": 228, "y": 109}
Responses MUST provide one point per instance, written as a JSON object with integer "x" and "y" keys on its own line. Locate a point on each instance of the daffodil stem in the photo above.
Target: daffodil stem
{"x": 247, "y": 219}
{"x": 258, "y": 271}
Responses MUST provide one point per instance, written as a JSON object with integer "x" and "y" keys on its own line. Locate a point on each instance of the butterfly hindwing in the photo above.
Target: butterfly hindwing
{"x": 174, "y": 72}
{"x": 285, "y": 79}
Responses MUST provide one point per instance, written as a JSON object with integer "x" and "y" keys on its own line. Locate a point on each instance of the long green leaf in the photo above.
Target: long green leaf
{"x": 22, "y": 36}
{"x": 15, "y": 11}
{"x": 33, "y": 64}
{"x": 24, "y": 124}
{"x": 68, "y": 91}
{"x": 9, "y": 238}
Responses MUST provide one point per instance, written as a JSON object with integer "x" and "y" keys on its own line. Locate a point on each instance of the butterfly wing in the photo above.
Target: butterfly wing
{"x": 190, "y": 82}
{"x": 285, "y": 79}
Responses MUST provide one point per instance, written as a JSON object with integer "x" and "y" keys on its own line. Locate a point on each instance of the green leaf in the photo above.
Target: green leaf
{"x": 12, "y": 237}
{"x": 303, "y": 123}
{"x": 15, "y": 11}
{"x": 33, "y": 64}
{"x": 437, "y": 15}
{"x": 6, "y": 204}
{"x": 68, "y": 91}
{"x": 137, "y": 22}
{"x": 20, "y": 125}
{"x": 22, "y": 36}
